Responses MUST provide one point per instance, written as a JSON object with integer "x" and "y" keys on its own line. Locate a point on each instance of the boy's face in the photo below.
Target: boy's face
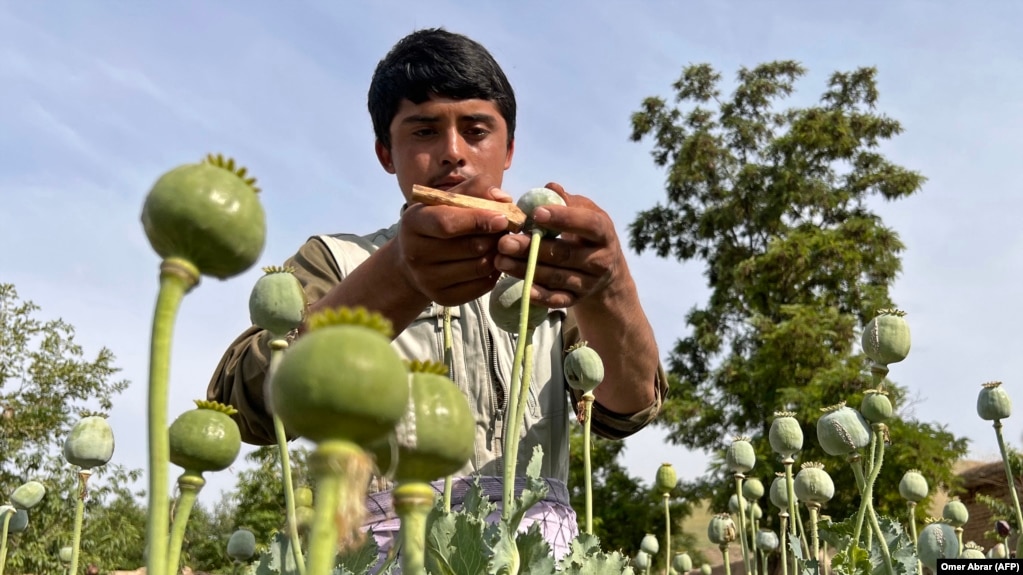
{"x": 443, "y": 142}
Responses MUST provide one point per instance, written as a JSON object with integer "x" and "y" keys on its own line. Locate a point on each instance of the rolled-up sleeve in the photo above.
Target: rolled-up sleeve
{"x": 612, "y": 425}
{"x": 607, "y": 423}
{"x": 240, "y": 375}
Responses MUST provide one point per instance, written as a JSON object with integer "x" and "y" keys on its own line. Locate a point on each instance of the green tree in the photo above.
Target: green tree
{"x": 113, "y": 530}
{"x": 114, "y": 535}
{"x": 777, "y": 204}
{"x": 46, "y": 383}
{"x": 259, "y": 496}
{"x": 625, "y": 508}
{"x": 256, "y": 503}
{"x": 206, "y": 535}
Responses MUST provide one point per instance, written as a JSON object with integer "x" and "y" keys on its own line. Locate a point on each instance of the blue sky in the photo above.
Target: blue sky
{"x": 98, "y": 99}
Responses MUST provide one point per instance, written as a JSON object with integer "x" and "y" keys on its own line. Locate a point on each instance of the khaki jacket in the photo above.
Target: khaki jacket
{"x": 482, "y": 364}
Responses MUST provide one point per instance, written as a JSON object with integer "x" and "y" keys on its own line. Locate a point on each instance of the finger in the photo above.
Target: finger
{"x": 543, "y": 291}
{"x": 482, "y": 186}
{"x": 558, "y": 189}
{"x": 466, "y": 291}
{"x": 575, "y": 220}
{"x": 554, "y": 252}
{"x": 449, "y": 222}
{"x": 552, "y": 298}
{"x": 551, "y": 279}
{"x": 584, "y": 222}
{"x": 449, "y": 273}
{"x": 514, "y": 245}
{"x": 427, "y": 249}
{"x": 560, "y": 279}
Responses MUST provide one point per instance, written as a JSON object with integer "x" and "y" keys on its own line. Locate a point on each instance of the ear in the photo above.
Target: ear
{"x": 384, "y": 157}
{"x": 509, "y": 154}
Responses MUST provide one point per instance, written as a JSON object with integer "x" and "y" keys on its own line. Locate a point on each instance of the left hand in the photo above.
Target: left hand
{"x": 582, "y": 261}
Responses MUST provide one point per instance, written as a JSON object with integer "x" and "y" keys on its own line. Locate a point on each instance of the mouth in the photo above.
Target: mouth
{"x": 447, "y": 183}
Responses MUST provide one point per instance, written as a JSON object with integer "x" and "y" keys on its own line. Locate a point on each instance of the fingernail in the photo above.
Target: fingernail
{"x": 541, "y": 215}
{"x": 498, "y": 223}
{"x": 499, "y": 194}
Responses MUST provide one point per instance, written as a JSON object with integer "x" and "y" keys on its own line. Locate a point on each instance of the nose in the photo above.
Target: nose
{"x": 454, "y": 148}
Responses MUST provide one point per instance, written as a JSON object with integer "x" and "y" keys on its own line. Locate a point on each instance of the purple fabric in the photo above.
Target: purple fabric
{"x": 558, "y": 521}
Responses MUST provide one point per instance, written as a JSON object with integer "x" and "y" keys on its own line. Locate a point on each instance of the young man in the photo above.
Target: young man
{"x": 444, "y": 116}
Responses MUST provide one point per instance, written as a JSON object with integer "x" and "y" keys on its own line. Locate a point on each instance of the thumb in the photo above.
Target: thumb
{"x": 482, "y": 186}
{"x": 498, "y": 195}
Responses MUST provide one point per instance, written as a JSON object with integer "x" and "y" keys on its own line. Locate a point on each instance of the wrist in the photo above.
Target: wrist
{"x": 406, "y": 284}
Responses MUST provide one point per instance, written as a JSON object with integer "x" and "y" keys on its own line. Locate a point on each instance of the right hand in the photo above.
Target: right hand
{"x": 448, "y": 253}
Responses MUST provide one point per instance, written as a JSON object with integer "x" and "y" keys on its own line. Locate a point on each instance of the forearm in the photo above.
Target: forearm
{"x": 379, "y": 285}
{"x": 239, "y": 381}
{"x": 240, "y": 377}
{"x": 613, "y": 323}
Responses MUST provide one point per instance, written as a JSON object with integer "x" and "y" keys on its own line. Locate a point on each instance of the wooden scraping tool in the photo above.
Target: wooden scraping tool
{"x": 435, "y": 197}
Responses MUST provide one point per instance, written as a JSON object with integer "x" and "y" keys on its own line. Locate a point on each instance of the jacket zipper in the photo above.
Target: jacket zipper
{"x": 498, "y": 398}
{"x": 439, "y": 315}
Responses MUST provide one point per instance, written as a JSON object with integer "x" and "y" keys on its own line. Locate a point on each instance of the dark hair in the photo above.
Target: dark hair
{"x": 435, "y": 61}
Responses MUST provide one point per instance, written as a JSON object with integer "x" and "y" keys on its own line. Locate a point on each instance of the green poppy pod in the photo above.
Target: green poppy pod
{"x": 706, "y": 569}
{"x": 649, "y": 544}
{"x": 752, "y": 488}
{"x": 584, "y": 370}
{"x": 682, "y": 562}
{"x": 755, "y": 509}
{"x": 435, "y": 437}
{"x": 532, "y": 200}
{"x": 207, "y": 214}
{"x": 972, "y": 551}
{"x": 733, "y": 504}
{"x": 842, "y": 430}
{"x": 666, "y": 479}
{"x": 277, "y": 302}
{"x": 740, "y": 457}
{"x": 913, "y": 486}
{"x": 998, "y": 551}
{"x": 779, "y": 493}
{"x": 18, "y": 522}
{"x": 90, "y": 443}
{"x": 28, "y": 495}
{"x": 786, "y": 434}
{"x": 642, "y": 560}
{"x": 721, "y": 529}
{"x": 205, "y": 438}
{"x": 993, "y": 402}
{"x": 506, "y": 305}
{"x": 65, "y": 554}
{"x": 813, "y": 485}
{"x": 242, "y": 545}
{"x": 342, "y": 380}
{"x": 937, "y": 540}
{"x": 955, "y": 512}
{"x": 885, "y": 339}
{"x": 304, "y": 517}
{"x": 876, "y": 407}
{"x": 304, "y": 496}
{"x": 767, "y": 540}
